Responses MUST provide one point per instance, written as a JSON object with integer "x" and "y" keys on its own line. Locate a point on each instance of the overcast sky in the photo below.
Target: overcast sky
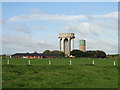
{"x": 35, "y": 26}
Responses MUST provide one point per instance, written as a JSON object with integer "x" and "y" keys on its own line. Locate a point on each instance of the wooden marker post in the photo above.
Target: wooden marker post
{"x": 29, "y": 62}
{"x": 70, "y": 62}
{"x": 114, "y": 63}
{"x": 93, "y": 62}
{"x": 8, "y": 62}
{"x": 49, "y": 62}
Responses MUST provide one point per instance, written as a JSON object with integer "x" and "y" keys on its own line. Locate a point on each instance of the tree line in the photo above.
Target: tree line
{"x": 91, "y": 54}
{"x": 78, "y": 53}
{"x": 59, "y": 53}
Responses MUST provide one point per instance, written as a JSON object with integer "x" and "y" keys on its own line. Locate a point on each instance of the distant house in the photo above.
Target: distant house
{"x": 34, "y": 55}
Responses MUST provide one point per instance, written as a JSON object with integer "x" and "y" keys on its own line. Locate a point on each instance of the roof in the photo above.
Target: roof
{"x": 35, "y": 54}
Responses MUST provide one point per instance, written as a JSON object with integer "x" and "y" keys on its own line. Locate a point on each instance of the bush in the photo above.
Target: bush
{"x": 90, "y": 54}
{"x": 59, "y": 53}
{"x": 95, "y": 54}
{"x": 100, "y": 54}
{"x": 77, "y": 53}
{"x": 46, "y": 51}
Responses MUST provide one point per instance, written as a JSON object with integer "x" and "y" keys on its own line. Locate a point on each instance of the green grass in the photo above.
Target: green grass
{"x": 81, "y": 74}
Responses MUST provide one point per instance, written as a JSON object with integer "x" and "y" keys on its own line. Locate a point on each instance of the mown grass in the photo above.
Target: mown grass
{"x": 81, "y": 74}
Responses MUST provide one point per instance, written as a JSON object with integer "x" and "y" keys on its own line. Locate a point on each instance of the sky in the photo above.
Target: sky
{"x": 35, "y": 26}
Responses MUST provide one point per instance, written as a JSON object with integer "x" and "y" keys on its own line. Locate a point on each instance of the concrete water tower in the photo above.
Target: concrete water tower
{"x": 66, "y": 41}
{"x": 83, "y": 45}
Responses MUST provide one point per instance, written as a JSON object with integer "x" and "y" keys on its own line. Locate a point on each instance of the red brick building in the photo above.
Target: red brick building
{"x": 34, "y": 55}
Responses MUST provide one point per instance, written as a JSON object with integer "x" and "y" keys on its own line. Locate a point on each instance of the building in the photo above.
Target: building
{"x": 83, "y": 45}
{"x": 34, "y": 55}
{"x": 66, "y": 41}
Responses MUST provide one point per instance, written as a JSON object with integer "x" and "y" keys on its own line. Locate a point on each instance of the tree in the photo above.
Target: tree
{"x": 59, "y": 53}
{"x": 100, "y": 54}
{"x": 77, "y": 53}
{"x": 95, "y": 54}
{"x": 90, "y": 54}
{"x": 46, "y": 51}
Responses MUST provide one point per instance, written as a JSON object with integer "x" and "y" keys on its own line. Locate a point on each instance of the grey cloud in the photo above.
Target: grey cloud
{"x": 26, "y": 17}
{"x": 47, "y": 17}
{"x": 34, "y": 10}
{"x": 83, "y": 29}
{"x": 98, "y": 38}
{"x": 113, "y": 15}
{"x": 37, "y": 27}
{"x": 3, "y": 21}
{"x": 24, "y": 43}
{"x": 21, "y": 27}
{"x": 98, "y": 44}
{"x": 98, "y": 33}
{"x": 105, "y": 45}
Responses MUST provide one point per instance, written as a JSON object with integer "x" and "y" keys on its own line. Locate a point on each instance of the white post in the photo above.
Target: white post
{"x": 29, "y": 62}
{"x": 93, "y": 62}
{"x": 10, "y": 56}
{"x": 49, "y": 62}
{"x": 70, "y": 62}
{"x": 114, "y": 63}
{"x": 8, "y": 62}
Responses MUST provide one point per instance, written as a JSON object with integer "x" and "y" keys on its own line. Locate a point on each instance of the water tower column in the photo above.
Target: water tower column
{"x": 69, "y": 49}
{"x": 63, "y": 39}
{"x": 59, "y": 44}
{"x": 73, "y": 44}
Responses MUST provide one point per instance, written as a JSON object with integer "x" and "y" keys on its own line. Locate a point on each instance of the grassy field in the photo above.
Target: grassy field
{"x": 81, "y": 74}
